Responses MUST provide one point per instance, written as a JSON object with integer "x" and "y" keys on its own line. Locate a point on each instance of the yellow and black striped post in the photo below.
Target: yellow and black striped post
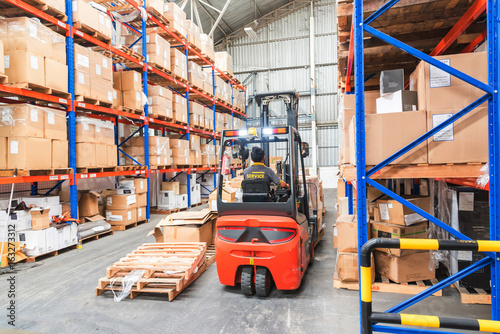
{"x": 369, "y": 317}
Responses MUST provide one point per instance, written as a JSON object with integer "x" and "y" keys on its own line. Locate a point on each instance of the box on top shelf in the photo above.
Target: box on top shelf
{"x": 176, "y": 16}
{"x": 207, "y": 46}
{"x": 224, "y": 62}
{"x": 29, "y": 153}
{"x": 56, "y": 75}
{"x": 55, "y": 124}
{"x": 22, "y": 66}
{"x": 391, "y": 81}
{"x": 2, "y": 66}
{"x": 22, "y": 120}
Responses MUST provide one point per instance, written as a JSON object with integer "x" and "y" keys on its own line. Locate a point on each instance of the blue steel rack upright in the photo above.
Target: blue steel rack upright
{"x": 361, "y": 26}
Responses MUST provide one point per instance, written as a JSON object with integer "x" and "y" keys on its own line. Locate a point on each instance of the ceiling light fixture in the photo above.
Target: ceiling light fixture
{"x": 250, "y": 32}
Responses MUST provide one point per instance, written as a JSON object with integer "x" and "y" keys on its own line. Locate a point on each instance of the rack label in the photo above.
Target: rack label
{"x": 438, "y": 77}
{"x": 64, "y": 177}
{"x": 84, "y": 176}
{"x": 53, "y": 178}
{"x": 93, "y": 175}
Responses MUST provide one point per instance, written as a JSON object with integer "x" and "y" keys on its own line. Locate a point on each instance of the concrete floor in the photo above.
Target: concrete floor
{"x": 57, "y": 295}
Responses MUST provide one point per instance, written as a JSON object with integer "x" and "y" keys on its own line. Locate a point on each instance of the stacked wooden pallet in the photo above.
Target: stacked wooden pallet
{"x": 165, "y": 268}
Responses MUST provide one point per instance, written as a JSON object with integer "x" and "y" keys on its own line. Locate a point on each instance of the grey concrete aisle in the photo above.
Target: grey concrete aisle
{"x": 57, "y": 295}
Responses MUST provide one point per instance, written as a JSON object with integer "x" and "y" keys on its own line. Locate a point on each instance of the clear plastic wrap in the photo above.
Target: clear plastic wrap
{"x": 127, "y": 283}
{"x": 22, "y": 120}
{"x": 484, "y": 179}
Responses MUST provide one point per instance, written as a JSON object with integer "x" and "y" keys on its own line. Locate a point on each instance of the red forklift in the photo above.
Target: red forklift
{"x": 269, "y": 233}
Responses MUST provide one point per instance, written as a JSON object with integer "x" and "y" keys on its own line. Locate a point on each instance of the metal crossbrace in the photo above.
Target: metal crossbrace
{"x": 128, "y": 156}
{"x": 54, "y": 188}
{"x": 133, "y": 134}
{"x": 362, "y": 176}
{"x": 175, "y": 176}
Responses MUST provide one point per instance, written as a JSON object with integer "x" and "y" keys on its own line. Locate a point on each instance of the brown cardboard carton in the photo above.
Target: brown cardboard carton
{"x": 101, "y": 89}
{"x": 131, "y": 80}
{"x": 132, "y": 99}
{"x": 187, "y": 233}
{"x": 346, "y": 269}
{"x": 60, "y": 154}
{"x": 121, "y": 217}
{"x": 391, "y": 231}
{"x": 141, "y": 214}
{"x": 171, "y": 186}
{"x": 140, "y": 184}
{"x": 391, "y": 211}
{"x": 347, "y": 232}
{"x": 84, "y": 130}
{"x": 101, "y": 66}
{"x": 55, "y": 124}
{"x": 121, "y": 202}
{"x": 387, "y": 133}
{"x": 117, "y": 81}
{"x": 82, "y": 83}
{"x": 179, "y": 143}
{"x": 176, "y": 16}
{"x": 29, "y": 153}
{"x": 465, "y": 141}
{"x": 117, "y": 98}
{"x": 56, "y": 75}
{"x": 408, "y": 268}
{"x": 85, "y": 155}
{"x": 40, "y": 219}
{"x": 180, "y": 152}
{"x": 21, "y": 120}
{"x": 3, "y": 152}
{"x": 27, "y": 44}
{"x": 2, "y": 66}
{"x": 88, "y": 204}
{"x": 86, "y": 14}
{"x": 82, "y": 58}
{"x": 142, "y": 199}
{"x": 22, "y": 66}
{"x": 112, "y": 156}
{"x": 101, "y": 155}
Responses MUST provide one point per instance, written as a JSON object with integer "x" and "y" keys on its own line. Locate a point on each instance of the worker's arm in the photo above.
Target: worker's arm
{"x": 277, "y": 180}
{"x": 283, "y": 184}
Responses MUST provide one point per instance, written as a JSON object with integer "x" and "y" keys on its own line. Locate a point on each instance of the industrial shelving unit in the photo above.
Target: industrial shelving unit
{"x": 117, "y": 116}
{"x": 363, "y": 177}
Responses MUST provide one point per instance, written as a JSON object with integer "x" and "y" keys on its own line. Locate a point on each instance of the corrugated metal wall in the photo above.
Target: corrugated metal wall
{"x": 279, "y": 57}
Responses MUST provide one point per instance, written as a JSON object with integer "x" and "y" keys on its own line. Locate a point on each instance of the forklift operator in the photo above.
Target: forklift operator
{"x": 259, "y": 171}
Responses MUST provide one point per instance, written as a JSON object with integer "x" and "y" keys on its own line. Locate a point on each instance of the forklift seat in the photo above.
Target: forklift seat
{"x": 255, "y": 191}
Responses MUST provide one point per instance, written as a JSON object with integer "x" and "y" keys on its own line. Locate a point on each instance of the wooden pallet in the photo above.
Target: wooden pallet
{"x": 40, "y": 89}
{"x": 35, "y": 172}
{"x": 8, "y": 10}
{"x": 97, "y": 236}
{"x": 117, "y": 58}
{"x": 321, "y": 234}
{"x": 162, "y": 118}
{"x": 86, "y": 170}
{"x": 91, "y": 32}
{"x": 49, "y": 254}
{"x": 385, "y": 285}
{"x": 474, "y": 296}
{"x": 89, "y": 100}
{"x": 130, "y": 167}
{"x": 132, "y": 111}
{"x": 210, "y": 258}
{"x": 197, "y": 204}
{"x": 126, "y": 227}
{"x": 169, "y": 269}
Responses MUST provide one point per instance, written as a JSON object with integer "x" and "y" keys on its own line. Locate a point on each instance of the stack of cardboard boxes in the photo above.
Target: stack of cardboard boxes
{"x": 93, "y": 75}
{"x": 195, "y": 146}
{"x": 33, "y": 53}
{"x": 33, "y": 137}
{"x": 207, "y": 46}
{"x": 158, "y": 49}
{"x": 208, "y": 116}
{"x": 194, "y": 34}
{"x": 208, "y": 156}
{"x": 159, "y": 151}
{"x": 177, "y": 18}
{"x": 95, "y": 143}
{"x": 92, "y": 18}
{"x": 181, "y": 152}
{"x": 224, "y": 62}
{"x": 180, "y": 109}
{"x": 32, "y": 226}
{"x": 238, "y": 99}
{"x": 173, "y": 195}
{"x": 129, "y": 204}
{"x": 178, "y": 63}
{"x": 434, "y": 96}
{"x": 208, "y": 83}
{"x": 196, "y": 76}
{"x": 128, "y": 86}
{"x": 196, "y": 115}
{"x": 160, "y": 102}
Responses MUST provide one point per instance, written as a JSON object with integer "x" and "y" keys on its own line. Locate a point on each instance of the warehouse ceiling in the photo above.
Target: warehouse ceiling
{"x": 238, "y": 14}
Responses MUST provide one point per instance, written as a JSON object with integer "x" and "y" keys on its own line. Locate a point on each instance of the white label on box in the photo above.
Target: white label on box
{"x": 115, "y": 96}
{"x": 438, "y": 77}
{"x": 32, "y": 30}
{"x": 82, "y": 60}
{"x": 6, "y": 61}
{"x": 129, "y": 215}
{"x": 14, "y": 147}
{"x": 98, "y": 69}
{"x": 34, "y": 115}
{"x": 85, "y": 126}
{"x": 75, "y": 6}
{"x": 34, "y": 62}
{"x": 466, "y": 201}
{"x": 139, "y": 212}
{"x": 384, "y": 211}
{"x": 97, "y": 128}
{"x": 150, "y": 100}
{"x": 464, "y": 256}
{"x": 447, "y": 133}
{"x": 413, "y": 218}
{"x": 101, "y": 19}
{"x": 110, "y": 96}
{"x": 142, "y": 184}
{"x": 130, "y": 199}
{"x": 81, "y": 79}
{"x": 114, "y": 218}
{"x": 104, "y": 62}
{"x": 137, "y": 96}
{"x": 214, "y": 205}
{"x": 51, "y": 119}
{"x": 109, "y": 200}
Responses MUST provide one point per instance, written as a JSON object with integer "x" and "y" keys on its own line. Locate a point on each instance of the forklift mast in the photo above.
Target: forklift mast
{"x": 291, "y": 100}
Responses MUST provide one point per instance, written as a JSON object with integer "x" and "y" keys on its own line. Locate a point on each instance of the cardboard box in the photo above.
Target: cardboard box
{"x": 121, "y": 202}
{"x": 35, "y": 242}
{"x": 141, "y": 199}
{"x": 228, "y": 195}
{"x": 117, "y": 81}
{"x": 86, "y": 155}
{"x": 402, "y": 100}
{"x": 3, "y": 152}
{"x": 139, "y": 184}
{"x": 346, "y": 268}
{"x": 88, "y": 205}
{"x": 181, "y": 201}
{"x": 55, "y": 124}
{"x": 121, "y": 217}
{"x": 132, "y": 99}
{"x": 82, "y": 83}
{"x": 39, "y": 219}
{"x": 391, "y": 81}
{"x": 391, "y": 231}
{"x": 2, "y": 66}
{"x": 56, "y": 75}
{"x": 166, "y": 200}
{"x": 60, "y": 154}
{"x": 408, "y": 268}
{"x": 391, "y": 211}
{"x": 464, "y": 141}
{"x": 387, "y": 133}
{"x": 141, "y": 214}
{"x": 189, "y": 233}
{"x": 171, "y": 186}
{"x": 21, "y": 120}
{"x": 101, "y": 155}
{"x": 84, "y": 130}
{"x": 82, "y": 58}
{"x": 22, "y": 66}
{"x": 101, "y": 89}
{"x": 347, "y": 232}
{"x": 130, "y": 80}
{"x": 29, "y": 153}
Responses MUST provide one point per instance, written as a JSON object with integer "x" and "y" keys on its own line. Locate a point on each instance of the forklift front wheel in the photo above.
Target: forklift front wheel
{"x": 263, "y": 282}
{"x": 247, "y": 281}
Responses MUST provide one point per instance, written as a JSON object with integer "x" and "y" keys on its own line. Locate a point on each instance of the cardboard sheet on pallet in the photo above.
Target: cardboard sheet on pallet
{"x": 187, "y": 218}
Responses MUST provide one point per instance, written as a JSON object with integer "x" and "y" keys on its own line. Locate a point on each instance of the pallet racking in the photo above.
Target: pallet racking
{"x": 364, "y": 24}
{"x": 149, "y": 73}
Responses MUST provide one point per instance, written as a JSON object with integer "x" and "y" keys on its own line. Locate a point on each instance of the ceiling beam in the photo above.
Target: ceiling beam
{"x": 345, "y": 9}
{"x": 213, "y": 18}
{"x": 211, "y": 33}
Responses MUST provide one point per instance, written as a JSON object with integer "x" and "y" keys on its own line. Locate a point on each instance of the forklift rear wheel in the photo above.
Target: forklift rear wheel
{"x": 263, "y": 282}
{"x": 247, "y": 283}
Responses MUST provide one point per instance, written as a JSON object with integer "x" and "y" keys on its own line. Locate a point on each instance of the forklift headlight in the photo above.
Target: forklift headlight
{"x": 242, "y": 133}
{"x": 267, "y": 131}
